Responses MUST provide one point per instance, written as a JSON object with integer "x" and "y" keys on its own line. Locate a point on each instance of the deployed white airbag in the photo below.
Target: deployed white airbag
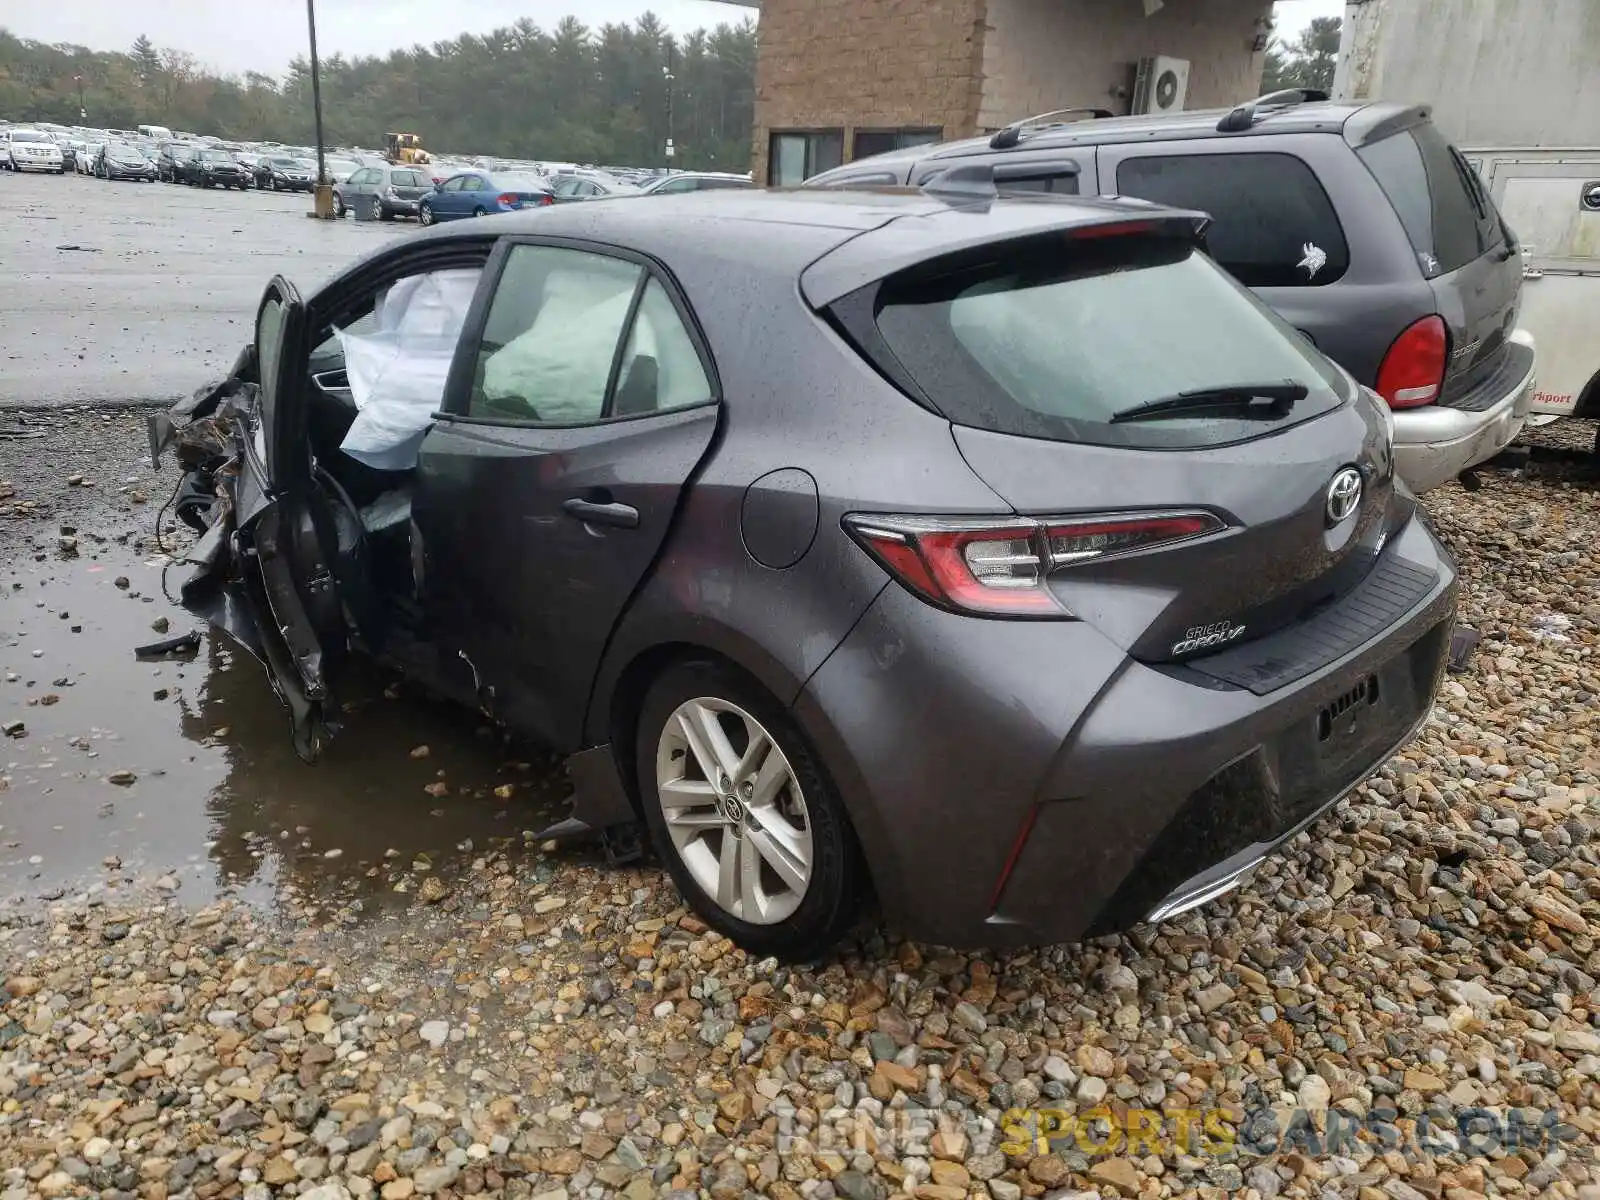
{"x": 397, "y": 372}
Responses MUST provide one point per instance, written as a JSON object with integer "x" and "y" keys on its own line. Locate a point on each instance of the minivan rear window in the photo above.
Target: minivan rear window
{"x": 1051, "y": 340}
{"x": 1443, "y": 206}
{"x": 1272, "y": 223}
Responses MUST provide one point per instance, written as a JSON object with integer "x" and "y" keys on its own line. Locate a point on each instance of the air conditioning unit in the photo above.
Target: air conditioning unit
{"x": 1160, "y": 84}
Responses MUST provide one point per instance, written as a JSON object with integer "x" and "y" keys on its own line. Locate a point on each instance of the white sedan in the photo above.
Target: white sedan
{"x": 30, "y": 150}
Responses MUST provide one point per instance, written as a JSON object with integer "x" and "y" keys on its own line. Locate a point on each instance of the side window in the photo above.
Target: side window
{"x": 660, "y": 368}
{"x": 1060, "y": 183}
{"x": 1438, "y": 198}
{"x": 454, "y": 185}
{"x": 1272, "y": 224}
{"x": 551, "y": 335}
{"x": 678, "y": 185}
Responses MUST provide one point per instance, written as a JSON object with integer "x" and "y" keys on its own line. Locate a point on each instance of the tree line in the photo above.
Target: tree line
{"x": 609, "y": 95}
{"x": 1306, "y": 62}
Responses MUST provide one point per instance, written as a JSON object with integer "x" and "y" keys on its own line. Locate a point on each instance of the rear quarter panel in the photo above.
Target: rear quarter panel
{"x": 795, "y": 396}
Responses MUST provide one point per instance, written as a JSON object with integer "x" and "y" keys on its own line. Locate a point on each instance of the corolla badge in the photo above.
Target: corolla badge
{"x": 1344, "y": 496}
{"x": 1207, "y": 637}
{"x": 1313, "y": 260}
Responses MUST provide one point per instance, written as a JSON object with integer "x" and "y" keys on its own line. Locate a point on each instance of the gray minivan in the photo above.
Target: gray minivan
{"x": 1359, "y": 223}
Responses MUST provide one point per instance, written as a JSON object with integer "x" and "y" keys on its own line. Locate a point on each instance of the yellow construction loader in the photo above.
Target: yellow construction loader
{"x": 405, "y": 148}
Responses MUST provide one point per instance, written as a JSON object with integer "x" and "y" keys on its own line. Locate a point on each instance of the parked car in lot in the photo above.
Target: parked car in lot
{"x": 71, "y": 150}
{"x": 382, "y": 193}
{"x": 340, "y": 169}
{"x": 285, "y": 173}
{"x": 481, "y": 194}
{"x": 1359, "y": 223}
{"x": 694, "y": 181}
{"x": 589, "y": 185}
{"x": 172, "y": 159}
{"x": 120, "y": 160}
{"x": 31, "y": 150}
{"x": 213, "y": 168}
{"x": 806, "y": 492}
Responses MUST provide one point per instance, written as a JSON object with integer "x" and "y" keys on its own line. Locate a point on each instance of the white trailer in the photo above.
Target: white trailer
{"x": 1517, "y": 87}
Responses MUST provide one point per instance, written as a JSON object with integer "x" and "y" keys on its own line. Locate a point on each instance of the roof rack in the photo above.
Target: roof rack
{"x": 1008, "y": 137}
{"x": 1244, "y": 116}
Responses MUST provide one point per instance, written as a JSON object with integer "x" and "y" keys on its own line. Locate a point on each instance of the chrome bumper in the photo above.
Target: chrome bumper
{"x": 1434, "y": 444}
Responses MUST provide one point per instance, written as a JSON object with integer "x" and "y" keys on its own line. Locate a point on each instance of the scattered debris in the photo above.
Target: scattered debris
{"x": 186, "y": 643}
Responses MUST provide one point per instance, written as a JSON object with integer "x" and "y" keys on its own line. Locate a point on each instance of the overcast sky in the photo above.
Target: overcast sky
{"x": 265, "y": 34}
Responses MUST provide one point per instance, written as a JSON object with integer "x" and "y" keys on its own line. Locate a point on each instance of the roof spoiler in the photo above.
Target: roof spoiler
{"x": 974, "y": 181}
{"x": 1239, "y": 119}
{"x": 1008, "y": 137}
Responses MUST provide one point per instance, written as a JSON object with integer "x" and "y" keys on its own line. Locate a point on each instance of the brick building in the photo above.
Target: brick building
{"x": 838, "y": 80}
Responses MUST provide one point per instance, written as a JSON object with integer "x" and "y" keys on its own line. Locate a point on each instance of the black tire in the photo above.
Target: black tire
{"x": 425, "y": 213}
{"x": 375, "y": 210}
{"x": 477, "y": 212}
{"x": 838, "y": 878}
{"x": 338, "y": 205}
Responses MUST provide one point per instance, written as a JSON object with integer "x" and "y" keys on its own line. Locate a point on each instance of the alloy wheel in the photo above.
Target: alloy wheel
{"x": 734, "y": 810}
{"x": 425, "y": 213}
{"x": 377, "y": 209}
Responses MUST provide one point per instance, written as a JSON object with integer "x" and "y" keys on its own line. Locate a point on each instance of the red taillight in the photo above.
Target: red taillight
{"x": 1413, "y": 370}
{"x": 508, "y": 199}
{"x": 543, "y": 200}
{"x": 998, "y": 566}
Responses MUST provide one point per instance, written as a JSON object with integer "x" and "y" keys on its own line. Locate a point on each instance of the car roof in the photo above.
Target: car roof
{"x": 1357, "y": 122}
{"x": 886, "y": 229}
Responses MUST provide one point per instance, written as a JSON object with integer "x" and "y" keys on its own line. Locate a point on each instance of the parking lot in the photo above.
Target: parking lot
{"x": 370, "y": 974}
{"x": 136, "y": 291}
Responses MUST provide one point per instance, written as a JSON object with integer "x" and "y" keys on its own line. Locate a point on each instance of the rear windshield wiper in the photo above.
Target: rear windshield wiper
{"x": 1243, "y": 399}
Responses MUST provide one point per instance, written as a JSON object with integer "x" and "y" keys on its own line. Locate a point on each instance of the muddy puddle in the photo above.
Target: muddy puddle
{"x": 183, "y": 769}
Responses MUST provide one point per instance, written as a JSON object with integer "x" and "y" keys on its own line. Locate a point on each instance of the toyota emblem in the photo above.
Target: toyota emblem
{"x": 1344, "y": 496}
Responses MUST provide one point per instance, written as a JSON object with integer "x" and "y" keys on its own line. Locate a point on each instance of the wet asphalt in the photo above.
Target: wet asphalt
{"x": 181, "y": 771}
{"x": 114, "y": 299}
{"x": 119, "y": 292}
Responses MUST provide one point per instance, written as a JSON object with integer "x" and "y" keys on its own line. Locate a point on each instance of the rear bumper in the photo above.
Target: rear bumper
{"x": 1020, "y": 783}
{"x": 1434, "y": 444}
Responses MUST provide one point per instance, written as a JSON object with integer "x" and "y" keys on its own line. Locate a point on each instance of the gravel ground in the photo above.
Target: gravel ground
{"x": 544, "y": 1026}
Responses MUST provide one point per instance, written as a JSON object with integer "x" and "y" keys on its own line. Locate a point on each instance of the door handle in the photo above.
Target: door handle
{"x": 590, "y": 512}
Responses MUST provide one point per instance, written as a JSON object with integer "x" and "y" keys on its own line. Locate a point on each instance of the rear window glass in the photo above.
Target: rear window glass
{"x": 1053, "y": 339}
{"x": 1438, "y": 197}
{"x": 1272, "y": 224}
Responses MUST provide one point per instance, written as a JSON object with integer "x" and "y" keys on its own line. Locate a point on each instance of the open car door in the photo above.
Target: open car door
{"x": 274, "y": 549}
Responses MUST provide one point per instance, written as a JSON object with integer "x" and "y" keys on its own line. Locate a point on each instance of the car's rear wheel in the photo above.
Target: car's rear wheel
{"x": 338, "y": 205}
{"x": 376, "y": 209}
{"x": 425, "y": 213}
{"x": 750, "y": 828}
{"x": 477, "y": 212}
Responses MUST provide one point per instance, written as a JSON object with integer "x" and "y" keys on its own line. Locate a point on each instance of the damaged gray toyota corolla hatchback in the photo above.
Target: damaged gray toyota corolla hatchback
{"x": 1002, "y": 557}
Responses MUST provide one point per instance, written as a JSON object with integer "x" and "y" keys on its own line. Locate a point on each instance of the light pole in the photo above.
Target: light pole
{"x": 666, "y": 73}
{"x": 322, "y": 206}
{"x": 83, "y": 113}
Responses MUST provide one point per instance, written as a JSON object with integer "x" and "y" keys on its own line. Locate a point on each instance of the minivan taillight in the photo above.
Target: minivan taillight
{"x": 997, "y": 566}
{"x": 1413, "y": 370}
